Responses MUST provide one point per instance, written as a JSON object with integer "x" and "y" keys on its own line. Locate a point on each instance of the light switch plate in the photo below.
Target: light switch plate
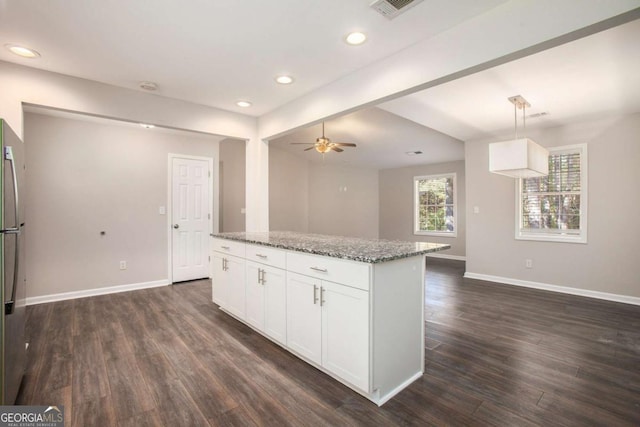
{"x": 162, "y": 210}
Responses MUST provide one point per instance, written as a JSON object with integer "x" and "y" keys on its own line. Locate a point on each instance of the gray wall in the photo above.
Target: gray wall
{"x": 316, "y": 198}
{"x": 609, "y": 261}
{"x": 85, "y": 177}
{"x": 232, "y": 184}
{"x": 288, "y": 191}
{"x": 343, "y": 201}
{"x": 396, "y": 204}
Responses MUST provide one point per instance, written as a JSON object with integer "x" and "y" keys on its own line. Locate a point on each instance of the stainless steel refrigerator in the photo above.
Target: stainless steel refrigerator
{"x": 12, "y": 272}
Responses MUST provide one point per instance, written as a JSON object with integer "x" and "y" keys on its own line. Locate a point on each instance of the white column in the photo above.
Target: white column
{"x": 257, "y": 185}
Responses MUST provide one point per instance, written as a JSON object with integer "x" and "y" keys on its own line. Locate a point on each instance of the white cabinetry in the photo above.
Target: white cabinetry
{"x": 304, "y": 316}
{"x": 345, "y": 333}
{"x": 362, "y": 323}
{"x": 266, "y": 292}
{"x": 228, "y": 283}
{"x": 328, "y": 324}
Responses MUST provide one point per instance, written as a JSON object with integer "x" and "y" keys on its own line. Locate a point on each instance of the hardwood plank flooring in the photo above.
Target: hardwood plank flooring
{"x": 495, "y": 355}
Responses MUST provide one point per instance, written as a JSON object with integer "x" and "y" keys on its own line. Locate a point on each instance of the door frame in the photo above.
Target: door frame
{"x": 213, "y": 185}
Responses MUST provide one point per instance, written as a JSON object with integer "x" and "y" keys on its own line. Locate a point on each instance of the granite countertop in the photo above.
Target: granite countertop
{"x": 364, "y": 250}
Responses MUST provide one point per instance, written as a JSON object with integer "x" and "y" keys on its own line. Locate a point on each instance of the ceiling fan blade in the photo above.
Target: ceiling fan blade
{"x": 339, "y": 150}
{"x": 344, "y": 144}
{"x": 310, "y": 148}
{"x": 302, "y": 143}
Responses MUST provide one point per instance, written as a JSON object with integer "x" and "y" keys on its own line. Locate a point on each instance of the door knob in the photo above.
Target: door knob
{"x": 176, "y": 226}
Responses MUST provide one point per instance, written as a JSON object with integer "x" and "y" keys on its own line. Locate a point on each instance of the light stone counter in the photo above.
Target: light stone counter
{"x": 364, "y": 250}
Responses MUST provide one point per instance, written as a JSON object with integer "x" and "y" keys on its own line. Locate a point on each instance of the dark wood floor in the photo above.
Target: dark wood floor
{"x": 496, "y": 355}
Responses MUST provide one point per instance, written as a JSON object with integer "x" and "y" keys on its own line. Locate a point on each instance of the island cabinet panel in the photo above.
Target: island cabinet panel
{"x": 255, "y": 296}
{"x": 347, "y": 272}
{"x": 264, "y": 255}
{"x": 275, "y": 304}
{"x": 219, "y": 281}
{"x": 345, "y": 333}
{"x": 304, "y": 317}
{"x": 234, "y": 284}
{"x": 328, "y": 324}
{"x": 228, "y": 247}
{"x": 266, "y": 300}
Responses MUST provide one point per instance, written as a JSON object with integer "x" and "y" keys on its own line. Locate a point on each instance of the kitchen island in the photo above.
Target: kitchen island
{"x": 353, "y": 308}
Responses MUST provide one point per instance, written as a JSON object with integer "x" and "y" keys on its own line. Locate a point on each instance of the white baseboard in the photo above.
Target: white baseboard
{"x": 96, "y": 291}
{"x": 447, "y": 256}
{"x": 555, "y": 288}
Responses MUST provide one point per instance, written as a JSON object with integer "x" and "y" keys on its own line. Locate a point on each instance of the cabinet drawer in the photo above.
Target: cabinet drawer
{"x": 266, "y": 255}
{"x": 230, "y": 247}
{"x": 349, "y": 273}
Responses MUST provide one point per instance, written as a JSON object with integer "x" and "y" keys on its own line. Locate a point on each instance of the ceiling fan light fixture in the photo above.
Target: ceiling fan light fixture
{"x": 322, "y": 148}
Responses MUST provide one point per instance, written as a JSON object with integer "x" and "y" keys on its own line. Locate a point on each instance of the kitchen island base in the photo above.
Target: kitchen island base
{"x": 362, "y": 323}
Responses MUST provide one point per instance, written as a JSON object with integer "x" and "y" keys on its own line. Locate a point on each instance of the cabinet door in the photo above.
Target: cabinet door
{"x": 304, "y": 319}
{"x": 235, "y": 283}
{"x": 255, "y": 296}
{"x": 345, "y": 333}
{"x": 219, "y": 282}
{"x": 275, "y": 299}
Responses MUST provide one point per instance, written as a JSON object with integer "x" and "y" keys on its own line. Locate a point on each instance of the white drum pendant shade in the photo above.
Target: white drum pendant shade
{"x": 518, "y": 158}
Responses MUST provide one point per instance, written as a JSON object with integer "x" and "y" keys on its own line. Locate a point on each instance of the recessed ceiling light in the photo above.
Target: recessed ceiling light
{"x": 147, "y": 125}
{"x": 284, "y": 80}
{"x": 243, "y": 104}
{"x": 355, "y": 38}
{"x": 25, "y": 52}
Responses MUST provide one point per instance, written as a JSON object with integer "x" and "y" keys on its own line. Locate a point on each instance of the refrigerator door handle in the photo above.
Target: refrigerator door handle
{"x": 8, "y": 305}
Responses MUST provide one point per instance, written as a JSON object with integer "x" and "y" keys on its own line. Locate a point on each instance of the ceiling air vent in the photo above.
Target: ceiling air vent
{"x": 392, "y": 8}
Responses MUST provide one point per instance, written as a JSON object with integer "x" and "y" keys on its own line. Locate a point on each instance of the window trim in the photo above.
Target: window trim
{"x": 580, "y": 237}
{"x": 416, "y": 204}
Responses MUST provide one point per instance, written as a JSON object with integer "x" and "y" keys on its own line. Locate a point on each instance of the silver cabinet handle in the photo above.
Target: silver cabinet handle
{"x": 322, "y": 301}
{"x": 261, "y": 256}
{"x": 261, "y": 274}
{"x": 225, "y": 267}
{"x": 176, "y": 226}
{"x": 226, "y": 248}
{"x": 321, "y": 270}
{"x": 315, "y": 294}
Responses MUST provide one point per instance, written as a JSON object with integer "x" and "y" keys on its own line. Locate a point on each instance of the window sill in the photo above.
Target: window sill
{"x": 552, "y": 238}
{"x": 435, "y": 234}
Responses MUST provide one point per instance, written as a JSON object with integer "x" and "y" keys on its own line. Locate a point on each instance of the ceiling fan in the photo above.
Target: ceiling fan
{"x": 324, "y": 144}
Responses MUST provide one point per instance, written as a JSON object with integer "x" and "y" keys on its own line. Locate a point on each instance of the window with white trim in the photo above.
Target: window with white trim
{"x": 435, "y": 208}
{"x": 554, "y": 207}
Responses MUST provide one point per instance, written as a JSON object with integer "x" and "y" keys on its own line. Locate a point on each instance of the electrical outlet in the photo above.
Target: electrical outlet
{"x": 528, "y": 263}
{"x": 123, "y": 265}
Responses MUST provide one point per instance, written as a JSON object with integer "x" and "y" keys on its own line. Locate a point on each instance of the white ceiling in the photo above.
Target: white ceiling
{"x": 382, "y": 140}
{"x": 217, "y": 52}
{"x": 590, "y": 78}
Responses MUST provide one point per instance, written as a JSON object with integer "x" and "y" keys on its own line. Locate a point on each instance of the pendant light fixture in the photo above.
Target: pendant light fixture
{"x": 519, "y": 157}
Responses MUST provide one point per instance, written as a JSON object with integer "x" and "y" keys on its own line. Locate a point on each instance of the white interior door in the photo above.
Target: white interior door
{"x": 191, "y": 219}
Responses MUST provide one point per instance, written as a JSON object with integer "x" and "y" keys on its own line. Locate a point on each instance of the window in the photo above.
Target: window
{"x": 554, "y": 207}
{"x": 435, "y": 210}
